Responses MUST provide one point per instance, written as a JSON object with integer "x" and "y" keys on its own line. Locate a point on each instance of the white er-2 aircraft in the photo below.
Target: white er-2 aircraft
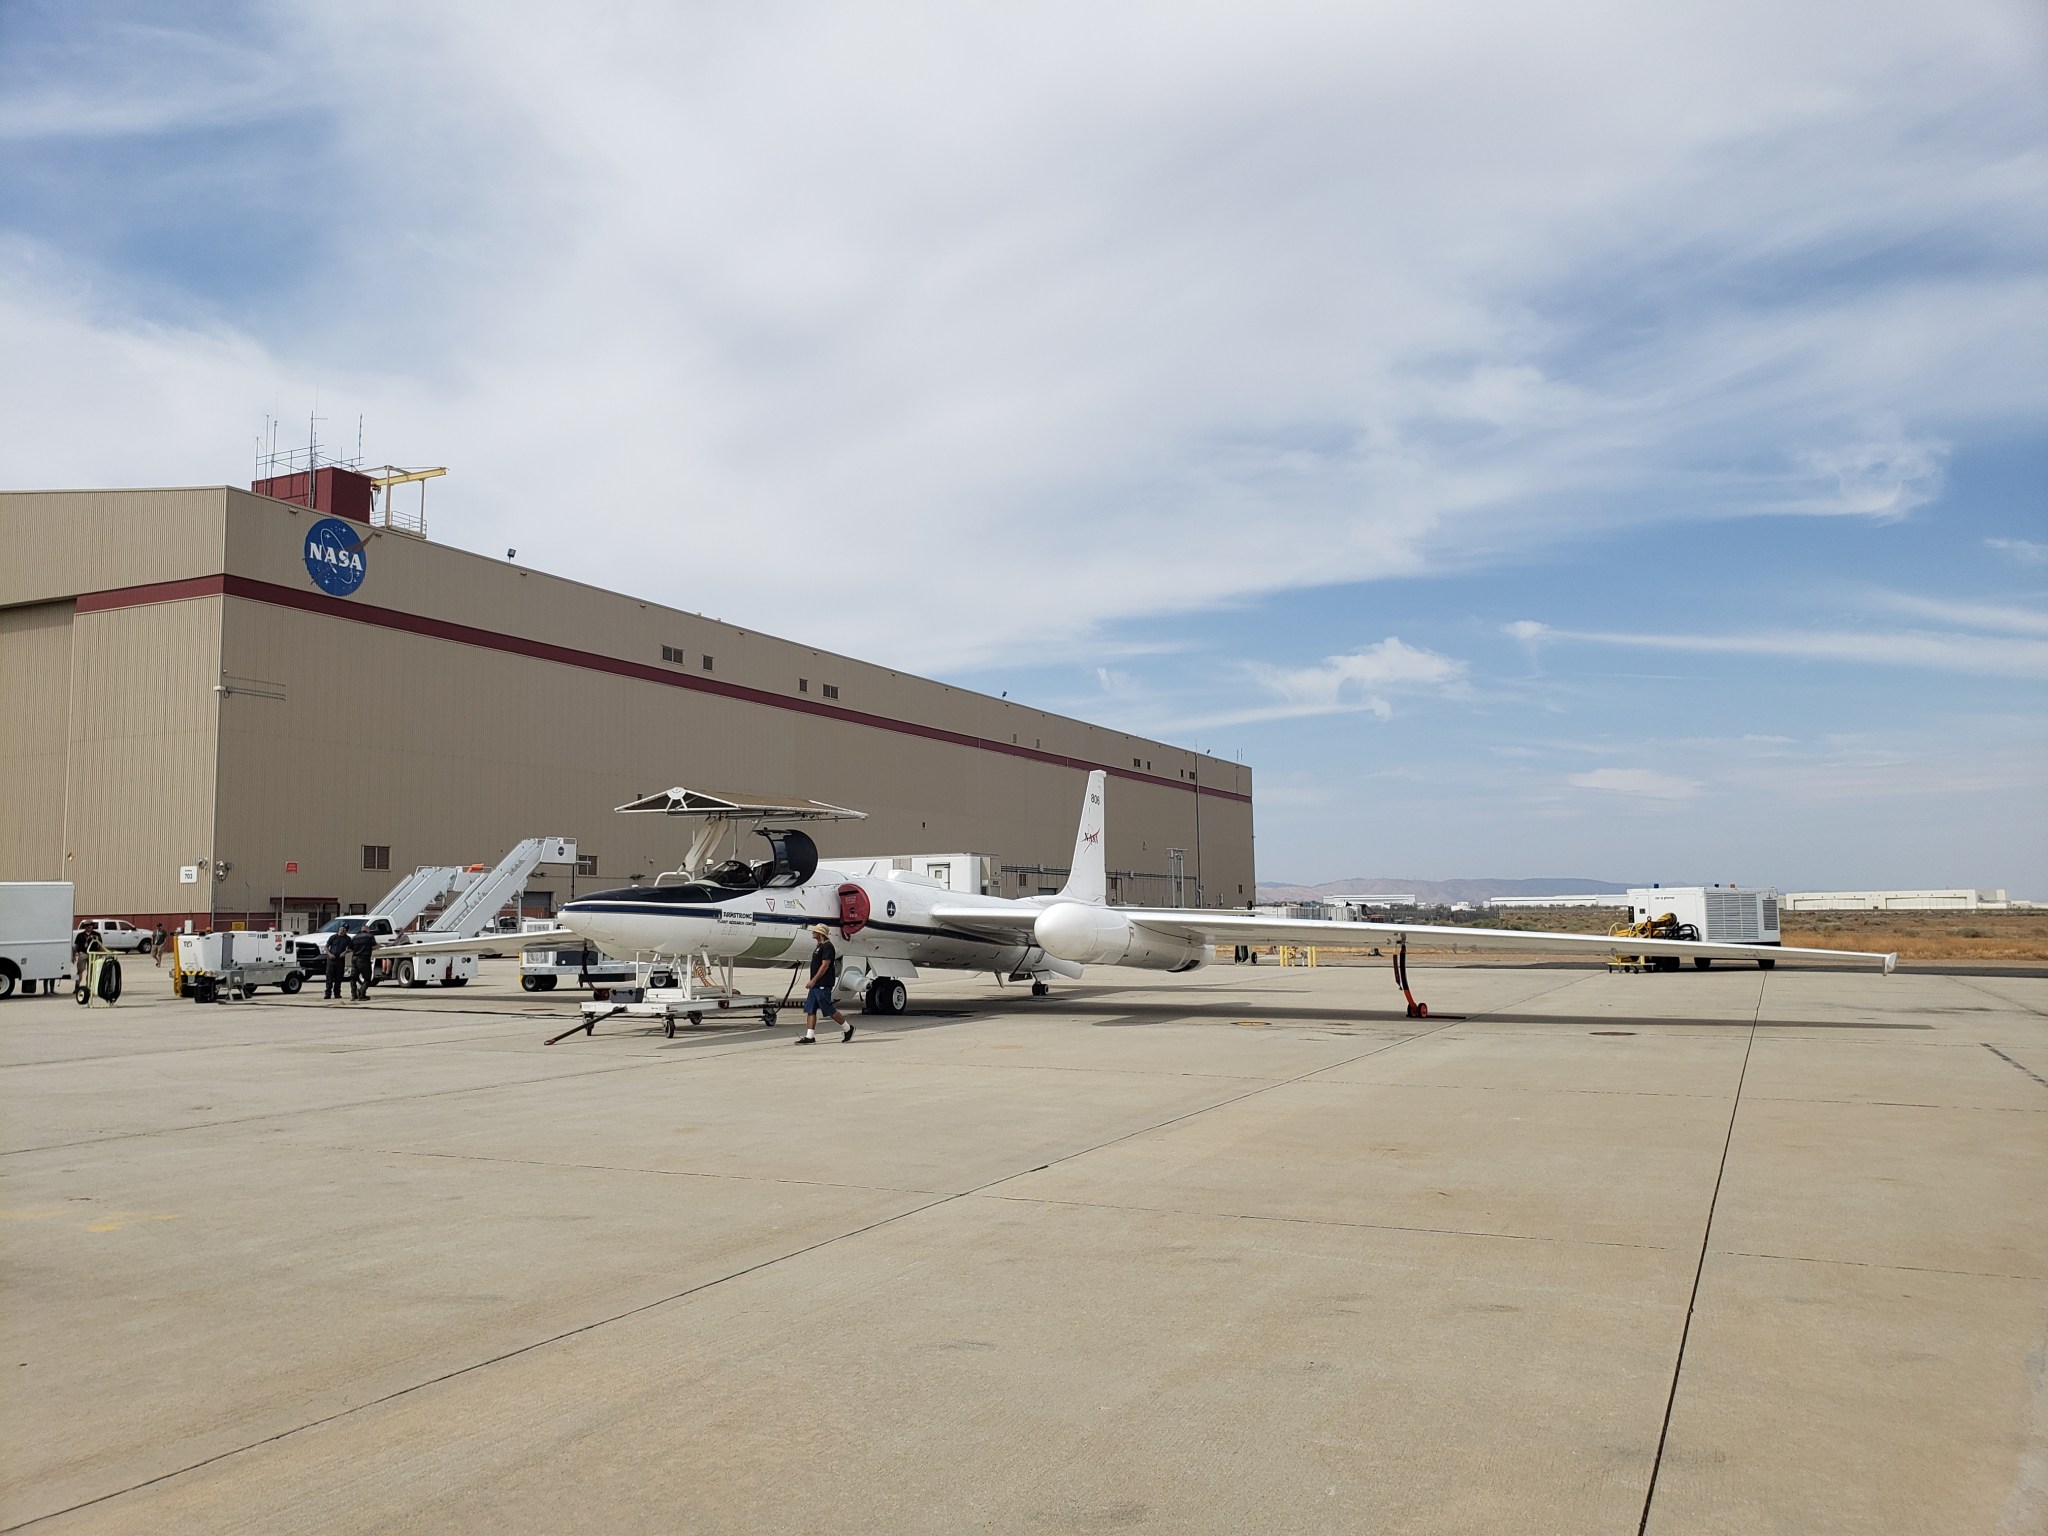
{"x": 891, "y": 925}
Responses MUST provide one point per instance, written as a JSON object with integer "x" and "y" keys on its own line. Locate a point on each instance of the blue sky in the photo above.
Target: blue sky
{"x": 1604, "y": 442}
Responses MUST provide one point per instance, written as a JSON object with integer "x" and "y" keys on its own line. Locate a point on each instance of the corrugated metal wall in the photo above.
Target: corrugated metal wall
{"x": 139, "y": 794}
{"x": 35, "y": 713}
{"x": 447, "y": 753}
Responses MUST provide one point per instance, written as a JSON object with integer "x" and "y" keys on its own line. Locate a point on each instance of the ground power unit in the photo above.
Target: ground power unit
{"x": 1723, "y": 914}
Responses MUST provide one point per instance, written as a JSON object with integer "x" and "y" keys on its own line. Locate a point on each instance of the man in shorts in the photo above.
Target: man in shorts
{"x": 818, "y": 996}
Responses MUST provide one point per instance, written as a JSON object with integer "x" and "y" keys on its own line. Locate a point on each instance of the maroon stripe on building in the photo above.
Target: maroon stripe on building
{"x": 158, "y": 592}
{"x": 541, "y": 650}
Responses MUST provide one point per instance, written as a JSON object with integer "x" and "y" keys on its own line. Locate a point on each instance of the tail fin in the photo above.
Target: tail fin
{"x": 1087, "y": 881}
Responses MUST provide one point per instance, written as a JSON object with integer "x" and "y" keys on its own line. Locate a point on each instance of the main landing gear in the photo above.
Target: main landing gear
{"x": 1040, "y": 989}
{"x": 885, "y": 995}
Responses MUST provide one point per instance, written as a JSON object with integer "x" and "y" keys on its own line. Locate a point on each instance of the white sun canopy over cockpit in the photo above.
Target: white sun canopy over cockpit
{"x": 714, "y": 812}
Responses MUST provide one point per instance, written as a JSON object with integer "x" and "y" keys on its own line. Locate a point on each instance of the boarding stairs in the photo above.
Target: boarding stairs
{"x": 473, "y": 911}
{"x": 418, "y": 891}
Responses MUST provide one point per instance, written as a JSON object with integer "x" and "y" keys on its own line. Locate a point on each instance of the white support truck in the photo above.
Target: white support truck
{"x": 35, "y": 935}
{"x": 581, "y": 964}
{"x": 411, "y": 959}
{"x": 399, "y": 908}
{"x": 1718, "y": 914}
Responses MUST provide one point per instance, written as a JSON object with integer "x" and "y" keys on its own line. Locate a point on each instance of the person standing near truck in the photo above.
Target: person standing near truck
{"x": 156, "y": 944}
{"x": 337, "y": 964}
{"x": 362, "y": 955}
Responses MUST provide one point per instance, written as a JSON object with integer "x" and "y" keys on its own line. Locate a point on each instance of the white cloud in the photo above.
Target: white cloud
{"x": 2020, "y": 551}
{"x": 1643, "y": 783}
{"x": 1883, "y": 479}
{"x": 1360, "y": 682}
{"x": 1979, "y": 655}
{"x": 1210, "y": 308}
{"x": 1997, "y": 617}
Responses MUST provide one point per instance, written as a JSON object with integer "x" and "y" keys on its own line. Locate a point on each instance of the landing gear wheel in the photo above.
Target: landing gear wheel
{"x": 1040, "y": 989}
{"x": 891, "y": 996}
{"x": 291, "y": 983}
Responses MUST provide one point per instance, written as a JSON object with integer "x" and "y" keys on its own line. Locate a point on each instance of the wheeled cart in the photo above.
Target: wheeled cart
{"x": 673, "y": 992}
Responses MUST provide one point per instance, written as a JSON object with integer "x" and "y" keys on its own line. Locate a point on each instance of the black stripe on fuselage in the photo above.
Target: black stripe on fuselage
{"x": 795, "y": 919}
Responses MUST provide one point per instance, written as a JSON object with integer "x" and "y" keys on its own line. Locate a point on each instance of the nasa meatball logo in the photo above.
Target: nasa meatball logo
{"x": 334, "y": 556}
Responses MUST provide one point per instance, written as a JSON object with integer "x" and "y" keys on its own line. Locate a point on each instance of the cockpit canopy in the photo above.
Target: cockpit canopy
{"x": 793, "y": 859}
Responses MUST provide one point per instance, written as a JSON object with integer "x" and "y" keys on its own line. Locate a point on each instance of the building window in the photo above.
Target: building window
{"x": 357, "y": 909}
{"x": 707, "y": 663}
{"x": 1136, "y": 764}
{"x": 670, "y": 653}
{"x": 586, "y": 863}
{"x": 830, "y": 690}
{"x": 376, "y": 855}
{"x": 803, "y": 685}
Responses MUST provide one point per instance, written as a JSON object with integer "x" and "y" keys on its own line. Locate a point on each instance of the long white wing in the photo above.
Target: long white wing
{"x": 497, "y": 943}
{"x": 1218, "y": 927}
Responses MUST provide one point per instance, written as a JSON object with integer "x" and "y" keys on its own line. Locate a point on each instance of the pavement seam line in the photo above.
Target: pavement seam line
{"x": 1908, "y": 1269}
{"x": 662, "y": 1301}
{"x": 1994, "y": 1050}
{"x": 2000, "y": 997}
{"x": 1324, "y": 1221}
{"x": 1706, "y": 1237}
{"x": 666, "y": 1173}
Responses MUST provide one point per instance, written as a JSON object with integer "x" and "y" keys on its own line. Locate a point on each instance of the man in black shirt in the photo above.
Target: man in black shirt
{"x": 362, "y": 956}
{"x": 818, "y": 995}
{"x": 337, "y": 964}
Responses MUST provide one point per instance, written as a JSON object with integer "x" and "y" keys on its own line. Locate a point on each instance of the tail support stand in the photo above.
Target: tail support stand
{"x": 1415, "y": 1010}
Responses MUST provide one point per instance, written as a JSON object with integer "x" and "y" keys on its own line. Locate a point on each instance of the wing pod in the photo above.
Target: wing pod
{"x": 1102, "y": 936}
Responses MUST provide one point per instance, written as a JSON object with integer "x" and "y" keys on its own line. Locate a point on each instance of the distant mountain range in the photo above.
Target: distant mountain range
{"x": 1439, "y": 892}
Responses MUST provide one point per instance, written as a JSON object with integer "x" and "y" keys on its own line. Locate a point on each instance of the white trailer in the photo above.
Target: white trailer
{"x": 35, "y": 935}
{"x": 1721, "y": 914}
{"x": 212, "y": 966}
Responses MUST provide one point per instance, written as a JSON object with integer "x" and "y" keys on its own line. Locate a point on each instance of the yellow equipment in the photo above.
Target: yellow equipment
{"x": 1665, "y": 927}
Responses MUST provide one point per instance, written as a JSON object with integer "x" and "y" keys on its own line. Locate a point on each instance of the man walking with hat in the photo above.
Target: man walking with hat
{"x": 818, "y": 996}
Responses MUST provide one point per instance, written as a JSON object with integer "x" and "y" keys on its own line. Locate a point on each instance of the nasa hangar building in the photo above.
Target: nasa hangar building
{"x": 225, "y": 706}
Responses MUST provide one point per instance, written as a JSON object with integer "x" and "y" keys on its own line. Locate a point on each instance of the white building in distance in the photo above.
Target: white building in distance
{"x": 1899, "y": 901}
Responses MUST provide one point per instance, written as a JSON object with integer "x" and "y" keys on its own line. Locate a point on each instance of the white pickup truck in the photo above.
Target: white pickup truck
{"x": 393, "y": 963}
{"x": 117, "y": 934}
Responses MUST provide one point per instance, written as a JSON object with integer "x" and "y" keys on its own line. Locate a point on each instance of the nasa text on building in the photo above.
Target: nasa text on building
{"x": 201, "y": 686}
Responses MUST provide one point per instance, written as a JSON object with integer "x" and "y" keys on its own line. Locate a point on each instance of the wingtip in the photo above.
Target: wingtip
{"x": 1891, "y": 963}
